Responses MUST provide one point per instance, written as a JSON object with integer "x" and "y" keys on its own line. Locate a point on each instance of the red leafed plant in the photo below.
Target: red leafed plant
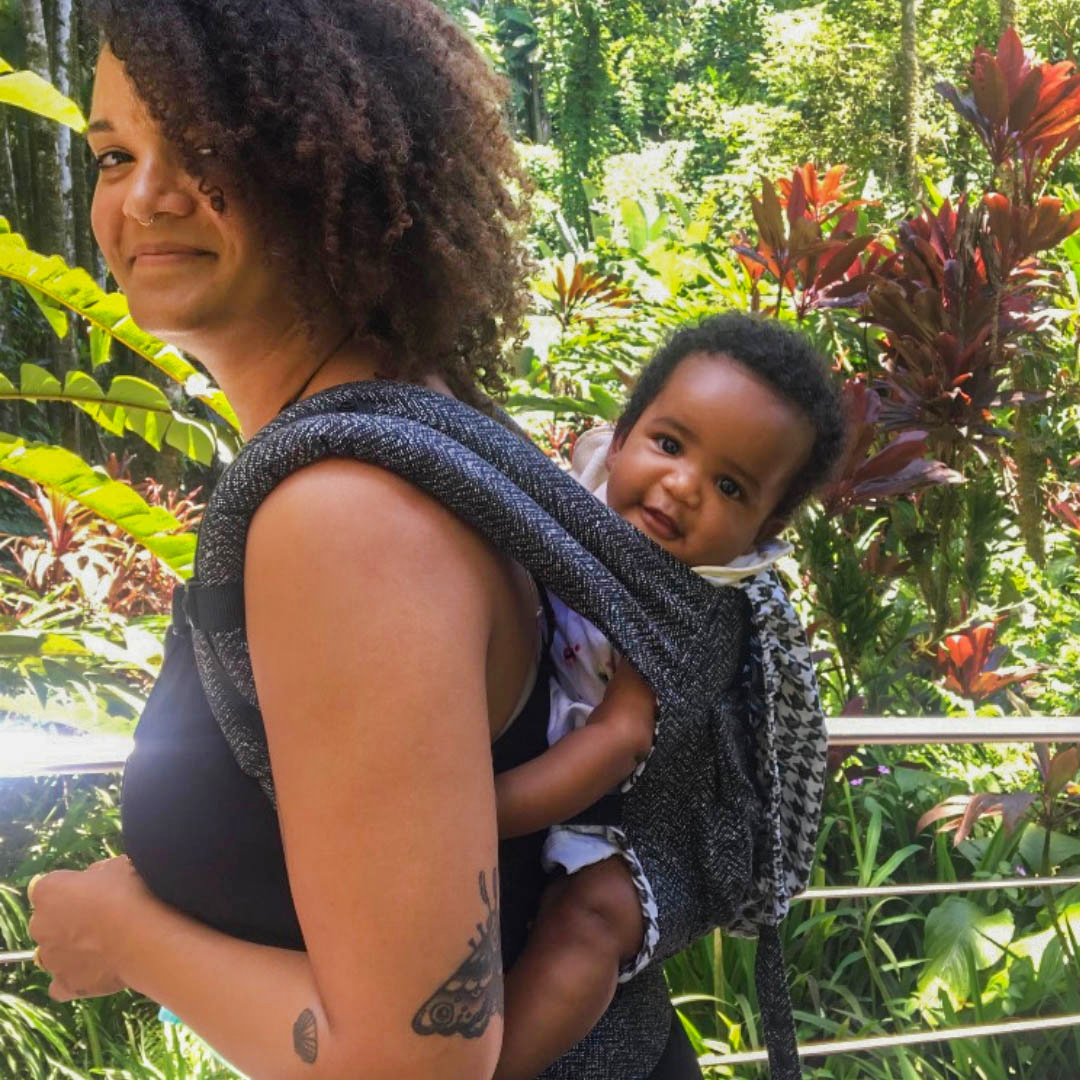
{"x": 1064, "y": 504}
{"x": 969, "y": 661}
{"x": 794, "y": 248}
{"x": 946, "y": 328}
{"x": 960, "y": 812}
{"x": 805, "y": 195}
{"x": 1027, "y": 114}
{"x": 899, "y": 468}
{"x": 91, "y": 559}
{"x": 980, "y": 259}
{"x": 584, "y": 294}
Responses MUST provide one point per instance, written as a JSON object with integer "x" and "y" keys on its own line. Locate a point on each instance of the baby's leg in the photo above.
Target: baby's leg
{"x": 589, "y": 924}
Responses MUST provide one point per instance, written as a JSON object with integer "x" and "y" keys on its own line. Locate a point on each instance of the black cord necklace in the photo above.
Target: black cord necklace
{"x": 315, "y": 371}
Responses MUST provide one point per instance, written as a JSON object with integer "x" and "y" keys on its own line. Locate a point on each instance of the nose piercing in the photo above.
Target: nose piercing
{"x": 148, "y": 222}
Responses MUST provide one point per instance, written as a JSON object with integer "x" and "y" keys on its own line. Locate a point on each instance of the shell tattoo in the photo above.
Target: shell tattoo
{"x": 465, "y": 1003}
{"x": 305, "y": 1037}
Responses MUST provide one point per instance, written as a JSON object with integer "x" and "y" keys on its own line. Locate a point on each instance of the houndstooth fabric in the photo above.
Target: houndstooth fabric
{"x": 791, "y": 739}
{"x": 707, "y": 817}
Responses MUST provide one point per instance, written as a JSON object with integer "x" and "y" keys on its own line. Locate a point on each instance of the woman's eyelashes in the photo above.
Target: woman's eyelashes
{"x": 110, "y": 159}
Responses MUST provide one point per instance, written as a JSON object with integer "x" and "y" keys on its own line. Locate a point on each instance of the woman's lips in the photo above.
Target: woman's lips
{"x": 166, "y": 256}
{"x": 660, "y": 524}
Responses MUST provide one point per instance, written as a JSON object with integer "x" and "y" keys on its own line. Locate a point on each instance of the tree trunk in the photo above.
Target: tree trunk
{"x": 21, "y": 136}
{"x": 1008, "y": 14}
{"x": 8, "y": 185}
{"x": 909, "y": 74}
{"x": 81, "y": 181}
{"x": 585, "y": 96}
{"x": 536, "y": 111}
{"x": 63, "y": 132}
{"x": 49, "y": 227}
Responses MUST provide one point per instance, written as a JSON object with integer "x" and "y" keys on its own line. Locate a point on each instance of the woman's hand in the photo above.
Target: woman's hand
{"x": 77, "y": 915}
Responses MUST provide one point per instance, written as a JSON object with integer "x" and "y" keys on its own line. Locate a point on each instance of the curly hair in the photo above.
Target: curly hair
{"x": 368, "y": 138}
{"x": 780, "y": 357}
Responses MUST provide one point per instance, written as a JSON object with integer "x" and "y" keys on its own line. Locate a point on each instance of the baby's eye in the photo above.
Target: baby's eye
{"x": 667, "y": 444}
{"x": 726, "y": 486}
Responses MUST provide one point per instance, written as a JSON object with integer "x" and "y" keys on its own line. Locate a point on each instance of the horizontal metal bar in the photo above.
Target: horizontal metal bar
{"x": 16, "y": 957}
{"x": 930, "y": 888}
{"x": 911, "y": 1038}
{"x": 27, "y": 752}
{"x": 909, "y": 730}
{"x": 841, "y": 892}
{"x": 37, "y": 753}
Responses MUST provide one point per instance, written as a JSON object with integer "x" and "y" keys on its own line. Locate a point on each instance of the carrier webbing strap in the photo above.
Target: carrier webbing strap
{"x": 774, "y": 1000}
{"x": 214, "y": 608}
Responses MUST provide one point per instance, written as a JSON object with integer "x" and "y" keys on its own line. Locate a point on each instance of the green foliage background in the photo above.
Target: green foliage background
{"x": 646, "y": 126}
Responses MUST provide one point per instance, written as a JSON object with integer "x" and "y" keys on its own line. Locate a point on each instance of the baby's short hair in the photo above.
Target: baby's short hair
{"x": 782, "y": 358}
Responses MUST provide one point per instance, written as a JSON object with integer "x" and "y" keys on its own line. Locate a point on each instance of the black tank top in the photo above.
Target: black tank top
{"x": 206, "y": 840}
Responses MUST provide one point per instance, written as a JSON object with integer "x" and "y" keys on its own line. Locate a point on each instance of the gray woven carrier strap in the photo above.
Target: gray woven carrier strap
{"x": 696, "y": 815}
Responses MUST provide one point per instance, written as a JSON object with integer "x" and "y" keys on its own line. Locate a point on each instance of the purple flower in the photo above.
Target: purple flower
{"x": 884, "y": 770}
{"x": 1020, "y": 870}
{"x": 856, "y": 781}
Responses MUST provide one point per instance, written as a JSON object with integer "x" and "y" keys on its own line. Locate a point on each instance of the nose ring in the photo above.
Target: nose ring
{"x": 148, "y": 222}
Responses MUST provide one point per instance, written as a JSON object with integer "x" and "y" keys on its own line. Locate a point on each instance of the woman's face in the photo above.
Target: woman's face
{"x": 187, "y": 270}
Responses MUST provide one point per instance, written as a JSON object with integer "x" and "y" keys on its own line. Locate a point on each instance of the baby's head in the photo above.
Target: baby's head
{"x": 732, "y": 425}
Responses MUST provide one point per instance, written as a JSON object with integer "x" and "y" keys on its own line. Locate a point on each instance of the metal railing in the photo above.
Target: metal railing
{"x": 896, "y": 731}
{"x": 39, "y": 754}
{"x": 33, "y": 753}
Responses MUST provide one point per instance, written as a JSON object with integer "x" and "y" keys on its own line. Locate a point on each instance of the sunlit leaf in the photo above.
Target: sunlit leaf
{"x": 53, "y": 467}
{"x": 31, "y": 92}
{"x": 1034, "y": 945}
{"x": 129, "y": 404}
{"x": 637, "y": 224}
{"x": 956, "y": 930}
{"x": 54, "y": 313}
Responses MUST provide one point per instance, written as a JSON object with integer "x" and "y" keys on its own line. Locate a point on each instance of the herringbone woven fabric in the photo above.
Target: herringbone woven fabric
{"x": 707, "y": 815}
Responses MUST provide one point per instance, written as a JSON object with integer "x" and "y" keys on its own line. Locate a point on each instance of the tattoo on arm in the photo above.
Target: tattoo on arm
{"x": 468, "y": 999}
{"x": 305, "y": 1037}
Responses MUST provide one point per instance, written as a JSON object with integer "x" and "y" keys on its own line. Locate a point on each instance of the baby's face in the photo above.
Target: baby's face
{"x": 705, "y": 466}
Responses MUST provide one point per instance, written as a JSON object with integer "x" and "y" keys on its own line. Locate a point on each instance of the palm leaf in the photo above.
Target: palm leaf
{"x": 58, "y": 286}
{"x": 130, "y": 404}
{"x": 31, "y": 92}
{"x": 53, "y": 467}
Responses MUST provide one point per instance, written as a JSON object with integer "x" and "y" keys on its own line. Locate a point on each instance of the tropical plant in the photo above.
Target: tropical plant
{"x": 81, "y": 618}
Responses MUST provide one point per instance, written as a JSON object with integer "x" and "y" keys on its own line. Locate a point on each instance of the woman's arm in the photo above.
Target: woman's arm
{"x": 369, "y": 617}
{"x": 585, "y": 764}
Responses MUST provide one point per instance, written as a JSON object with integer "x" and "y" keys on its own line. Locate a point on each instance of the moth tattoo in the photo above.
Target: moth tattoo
{"x": 467, "y": 1000}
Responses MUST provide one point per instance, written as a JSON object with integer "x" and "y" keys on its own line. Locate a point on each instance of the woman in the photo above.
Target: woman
{"x": 304, "y": 193}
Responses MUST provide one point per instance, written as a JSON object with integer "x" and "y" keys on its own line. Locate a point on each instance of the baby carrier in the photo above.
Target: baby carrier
{"x": 724, "y": 816}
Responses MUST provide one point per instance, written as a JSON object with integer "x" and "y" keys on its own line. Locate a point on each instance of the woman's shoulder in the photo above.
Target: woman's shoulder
{"x": 353, "y": 518}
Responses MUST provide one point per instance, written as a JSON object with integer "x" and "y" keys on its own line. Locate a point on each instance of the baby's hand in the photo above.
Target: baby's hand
{"x": 630, "y": 704}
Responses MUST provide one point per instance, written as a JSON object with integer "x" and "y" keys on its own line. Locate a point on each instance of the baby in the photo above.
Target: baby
{"x": 728, "y": 429}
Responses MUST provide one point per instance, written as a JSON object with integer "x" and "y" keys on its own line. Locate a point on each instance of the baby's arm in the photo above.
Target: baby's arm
{"x": 583, "y": 766}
